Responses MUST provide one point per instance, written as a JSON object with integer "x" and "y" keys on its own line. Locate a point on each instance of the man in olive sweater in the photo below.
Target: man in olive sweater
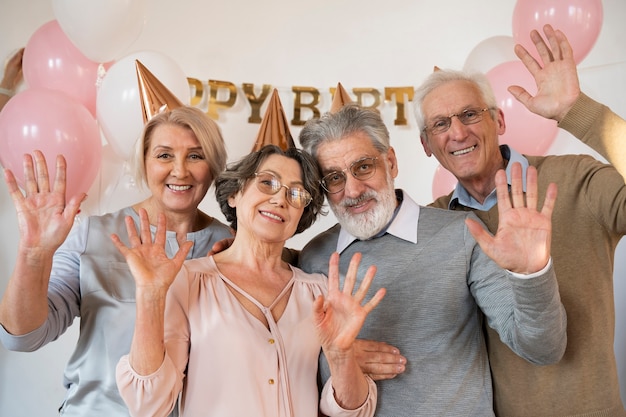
{"x": 589, "y": 219}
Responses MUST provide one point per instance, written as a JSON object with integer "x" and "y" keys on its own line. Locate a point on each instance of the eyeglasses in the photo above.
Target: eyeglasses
{"x": 267, "y": 183}
{"x": 467, "y": 117}
{"x": 362, "y": 169}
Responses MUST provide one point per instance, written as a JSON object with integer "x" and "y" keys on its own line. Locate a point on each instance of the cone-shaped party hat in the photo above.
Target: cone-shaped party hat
{"x": 340, "y": 99}
{"x": 274, "y": 128}
{"x": 154, "y": 96}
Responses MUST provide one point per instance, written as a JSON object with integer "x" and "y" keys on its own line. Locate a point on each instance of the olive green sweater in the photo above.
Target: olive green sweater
{"x": 588, "y": 221}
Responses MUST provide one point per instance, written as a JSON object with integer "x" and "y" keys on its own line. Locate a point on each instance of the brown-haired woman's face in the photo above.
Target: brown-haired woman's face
{"x": 177, "y": 171}
{"x": 266, "y": 217}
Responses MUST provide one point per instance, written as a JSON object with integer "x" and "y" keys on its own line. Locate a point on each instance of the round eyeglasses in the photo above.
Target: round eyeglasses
{"x": 467, "y": 117}
{"x": 267, "y": 183}
{"x": 361, "y": 169}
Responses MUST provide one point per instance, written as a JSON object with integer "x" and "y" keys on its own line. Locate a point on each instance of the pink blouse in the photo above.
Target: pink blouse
{"x": 226, "y": 362}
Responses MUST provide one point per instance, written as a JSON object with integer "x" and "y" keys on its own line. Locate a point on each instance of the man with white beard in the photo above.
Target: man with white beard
{"x": 441, "y": 269}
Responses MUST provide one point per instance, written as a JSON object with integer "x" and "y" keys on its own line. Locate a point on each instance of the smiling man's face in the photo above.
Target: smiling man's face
{"x": 470, "y": 152}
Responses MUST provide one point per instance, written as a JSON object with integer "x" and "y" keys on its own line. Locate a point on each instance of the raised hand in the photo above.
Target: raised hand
{"x": 44, "y": 219}
{"x": 13, "y": 74}
{"x": 340, "y": 316}
{"x": 556, "y": 76}
{"x": 147, "y": 260}
{"x": 522, "y": 242}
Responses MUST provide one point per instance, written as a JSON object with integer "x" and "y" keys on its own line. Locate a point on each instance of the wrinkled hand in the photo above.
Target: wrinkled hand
{"x": 44, "y": 219}
{"x": 522, "y": 242}
{"x": 339, "y": 316}
{"x": 146, "y": 258}
{"x": 557, "y": 79}
{"x": 378, "y": 359}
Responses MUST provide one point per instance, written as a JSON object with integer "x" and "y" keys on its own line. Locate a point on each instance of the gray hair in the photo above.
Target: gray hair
{"x": 204, "y": 129}
{"x": 235, "y": 178}
{"x": 350, "y": 119}
{"x": 443, "y": 76}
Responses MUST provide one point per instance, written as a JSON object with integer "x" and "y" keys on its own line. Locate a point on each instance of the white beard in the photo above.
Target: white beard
{"x": 367, "y": 224}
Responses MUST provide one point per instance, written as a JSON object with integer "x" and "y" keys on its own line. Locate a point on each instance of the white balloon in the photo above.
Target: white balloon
{"x": 102, "y": 30}
{"x": 118, "y": 105}
{"x": 490, "y": 53}
{"x": 114, "y": 188}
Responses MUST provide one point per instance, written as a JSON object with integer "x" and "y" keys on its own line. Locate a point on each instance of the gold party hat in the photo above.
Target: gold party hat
{"x": 340, "y": 99}
{"x": 274, "y": 128}
{"x": 154, "y": 96}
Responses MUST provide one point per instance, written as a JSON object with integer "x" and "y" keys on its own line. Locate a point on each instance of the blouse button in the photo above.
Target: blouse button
{"x": 270, "y": 341}
{"x": 271, "y": 381}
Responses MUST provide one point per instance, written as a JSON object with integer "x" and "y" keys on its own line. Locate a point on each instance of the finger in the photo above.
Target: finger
{"x": 318, "y": 309}
{"x": 376, "y": 299}
{"x": 374, "y": 346}
{"x": 366, "y": 282}
{"x": 520, "y": 94}
{"x": 550, "y": 200}
{"x": 131, "y": 229}
{"x": 60, "y": 178}
{"x": 479, "y": 233}
{"x": 144, "y": 226}
{"x": 517, "y": 188}
{"x": 41, "y": 170}
{"x": 14, "y": 190}
{"x": 119, "y": 244}
{"x": 161, "y": 230}
{"x": 527, "y": 59}
{"x": 73, "y": 206}
{"x": 542, "y": 48}
{"x": 333, "y": 272}
{"x": 381, "y": 377}
{"x": 531, "y": 187}
{"x": 502, "y": 191}
{"x": 30, "y": 181}
{"x": 182, "y": 253}
{"x": 348, "y": 283}
{"x": 383, "y": 366}
{"x": 567, "y": 53}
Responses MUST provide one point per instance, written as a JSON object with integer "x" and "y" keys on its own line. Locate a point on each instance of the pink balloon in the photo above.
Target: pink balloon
{"x": 526, "y": 132}
{"x": 580, "y": 20}
{"x": 52, "y": 61}
{"x": 54, "y": 123}
{"x": 443, "y": 182}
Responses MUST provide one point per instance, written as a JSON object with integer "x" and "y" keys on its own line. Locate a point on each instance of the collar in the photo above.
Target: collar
{"x": 460, "y": 196}
{"x": 403, "y": 225}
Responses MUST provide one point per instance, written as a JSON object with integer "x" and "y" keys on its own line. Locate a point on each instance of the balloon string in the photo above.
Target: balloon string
{"x": 101, "y": 73}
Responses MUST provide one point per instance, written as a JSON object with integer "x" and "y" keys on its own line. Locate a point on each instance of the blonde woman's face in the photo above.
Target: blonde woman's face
{"x": 177, "y": 170}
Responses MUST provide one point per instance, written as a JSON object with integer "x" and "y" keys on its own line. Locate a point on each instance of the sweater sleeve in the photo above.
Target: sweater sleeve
{"x": 600, "y": 128}
{"x": 527, "y": 313}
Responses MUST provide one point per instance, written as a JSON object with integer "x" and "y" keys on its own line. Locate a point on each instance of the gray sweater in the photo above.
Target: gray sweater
{"x": 436, "y": 290}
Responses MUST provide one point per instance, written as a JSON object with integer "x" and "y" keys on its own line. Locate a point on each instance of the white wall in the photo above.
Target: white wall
{"x": 360, "y": 43}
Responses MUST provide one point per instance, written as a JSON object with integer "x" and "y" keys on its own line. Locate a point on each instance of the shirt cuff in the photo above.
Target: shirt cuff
{"x": 534, "y": 274}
